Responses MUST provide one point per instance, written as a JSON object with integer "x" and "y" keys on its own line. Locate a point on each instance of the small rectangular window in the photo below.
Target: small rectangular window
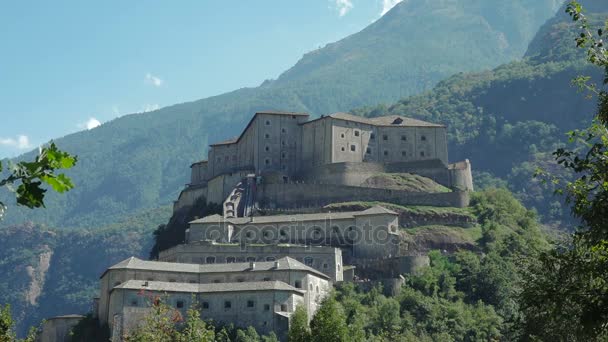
{"x": 266, "y": 307}
{"x": 227, "y": 304}
{"x": 284, "y": 307}
{"x": 422, "y": 153}
{"x": 403, "y": 138}
{"x": 386, "y": 153}
{"x": 372, "y": 136}
{"x": 298, "y": 284}
{"x": 353, "y": 148}
{"x": 368, "y": 151}
{"x": 179, "y": 304}
{"x": 205, "y": 305}
{"x": 385, "y": 137}
{"x": 250, "y": 304}
{"x": 356, "y": 133}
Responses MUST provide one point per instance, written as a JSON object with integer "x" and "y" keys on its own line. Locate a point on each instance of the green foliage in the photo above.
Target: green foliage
{"x": 329, "y": 322}
{"x": 6, "y": 324}
{"x": 31, "y": 175}
{"x": 298, "y": 329}
{"x": 88, "y": 329}
{"x": 165, "y": 324}
{"x": 567, "y": 289}
{"x": 174, "y": 232}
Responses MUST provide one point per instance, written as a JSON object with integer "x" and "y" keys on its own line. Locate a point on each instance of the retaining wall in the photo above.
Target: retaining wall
{"x": 293, "y": 195}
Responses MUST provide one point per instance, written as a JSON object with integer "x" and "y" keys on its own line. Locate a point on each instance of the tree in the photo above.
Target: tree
{"x": 6, "y": 324}
{"x": 566, "y": 292}
{"x": 195, "y": 329}
{"x": 30, "y": 175}
{"x": 329, "y": 323}
{"x": 298, "y": 329}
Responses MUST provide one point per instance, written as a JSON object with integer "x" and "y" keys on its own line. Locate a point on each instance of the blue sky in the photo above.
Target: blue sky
{"x": 66, "y": 66}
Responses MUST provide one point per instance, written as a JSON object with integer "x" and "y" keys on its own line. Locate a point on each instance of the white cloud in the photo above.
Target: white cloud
{"x": 149, "y": 108}
{"x": 22, "y": 142}
{"x": 343, "y": 6}
{"x": 153, "y": 80}
{"x": 90, "y": 124}
{"x": 387, "y": 5}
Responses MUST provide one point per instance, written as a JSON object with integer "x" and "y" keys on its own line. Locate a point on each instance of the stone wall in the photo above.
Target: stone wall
{"x": 324, "y": 259}
{"x": 189, "y": 195}
{"x": 130, "y": 307}
{"x": 294, "y": 195}
{"x": 355, "y": 173}
{"x": 389, "y": 267}
{"x": 57, "y": 329}
{"x": 461, "y": 176}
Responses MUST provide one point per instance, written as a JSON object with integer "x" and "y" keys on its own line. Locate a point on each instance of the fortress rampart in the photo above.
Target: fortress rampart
{"x": 293, "y": 195}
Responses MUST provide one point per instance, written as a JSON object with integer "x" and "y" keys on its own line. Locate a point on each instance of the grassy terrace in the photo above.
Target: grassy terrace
{"x": 405, "y": 181}
{"x": 462, "y": 234}
{"x": 420, "y": 210}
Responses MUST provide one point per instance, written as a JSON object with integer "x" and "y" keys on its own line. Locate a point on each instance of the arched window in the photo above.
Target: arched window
{"x": 210, "y": 260}
{"x": 230, "y": 260}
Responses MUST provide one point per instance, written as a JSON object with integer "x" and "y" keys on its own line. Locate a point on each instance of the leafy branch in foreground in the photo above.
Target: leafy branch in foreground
{"x": 30, "y": 175}
{"x": 566, "y": 292}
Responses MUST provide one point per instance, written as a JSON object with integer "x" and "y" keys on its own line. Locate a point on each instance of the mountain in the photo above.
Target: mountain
{"x": 140, "y": 161}
{"x": 132, "y": 165}
{"x": 507, "y": 121}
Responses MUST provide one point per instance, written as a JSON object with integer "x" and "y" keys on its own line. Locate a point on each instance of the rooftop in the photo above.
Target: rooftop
{"x": 284, "y": 264}
{"x": 162, "y": 286}
{"x": 387, "y": 121}
{"x": 377, "y": 210}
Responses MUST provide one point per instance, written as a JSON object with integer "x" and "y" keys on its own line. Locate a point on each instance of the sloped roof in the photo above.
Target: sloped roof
{"x": 162, "y": 286}
{"x": 284, "y": 264}
{"x": 386, "y": 121}
{"x": 271, "y": 112}
{"x": 226, "y": 142}
{"x": 376, "y": 210}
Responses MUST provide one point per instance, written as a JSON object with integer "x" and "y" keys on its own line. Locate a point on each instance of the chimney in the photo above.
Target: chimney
{"x": 252, "y": 265}
{"x": 276, "y": 264}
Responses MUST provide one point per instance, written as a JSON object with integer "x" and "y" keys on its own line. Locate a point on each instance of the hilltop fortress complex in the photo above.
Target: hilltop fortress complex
{"x": 297, "y": 162}
{"x": 276, "y": 245}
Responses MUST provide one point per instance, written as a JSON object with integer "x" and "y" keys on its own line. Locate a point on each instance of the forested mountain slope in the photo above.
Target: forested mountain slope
{"x": 141, "y": 161}
{"x": 510, "y": 119}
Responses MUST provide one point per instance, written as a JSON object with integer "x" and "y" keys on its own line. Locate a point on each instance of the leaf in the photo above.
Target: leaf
{"x": 30, "y": 195}
{"x": 59, "y": 183}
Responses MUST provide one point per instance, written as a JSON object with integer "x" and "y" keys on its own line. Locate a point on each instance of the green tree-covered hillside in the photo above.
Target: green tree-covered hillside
{"x": 507, "y": 121}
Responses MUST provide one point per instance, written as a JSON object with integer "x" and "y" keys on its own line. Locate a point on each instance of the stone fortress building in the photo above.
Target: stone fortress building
{"x": 290, "y": 155}
{"x": 258, "y": 294}
{"x": 250, "y": 268}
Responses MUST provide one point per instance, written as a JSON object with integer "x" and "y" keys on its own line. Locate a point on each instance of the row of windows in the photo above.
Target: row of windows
{"x": 385, "y": 137}
{"x": 267, "y": 123}
{"x": 179, "y": 304}
{"x": 353, "y": 148}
